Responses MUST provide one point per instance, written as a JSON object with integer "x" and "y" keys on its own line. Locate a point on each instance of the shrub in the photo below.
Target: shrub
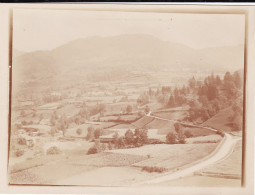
{"x": 154, "y": 169}
{"x": 110, "y": 146}
{"x": 188, "y": 134}
{"x": 53, "y": 150}
{"x": 182, "y": 141}
{"x": 19, "y": 152}
{"x": 103, "y": 147}
{"x": 129, "y": 109}
{"x": 78, "y": 131}
{"x": 97, "y": 133}
{"x": 171, "y": 138}
{"x": 206, "y": 141}
{"x": 92, "y": 150}
{"x": 140, "y": 113}
{"x": 24, "y": 122}
{"x": 22, "y": 141}
{"x": 90, "y": 134}
{"x": 220, "y": 133}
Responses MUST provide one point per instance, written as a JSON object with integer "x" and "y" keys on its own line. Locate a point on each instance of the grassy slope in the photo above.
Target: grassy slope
{"x": 220, "y": 120}
{"x": 178, "y": 115}
{"x": 164, "y": 127}
{"x": 140, "y": 123}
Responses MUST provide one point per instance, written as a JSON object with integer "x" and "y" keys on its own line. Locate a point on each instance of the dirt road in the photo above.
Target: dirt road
{"x": 224, "y": 151}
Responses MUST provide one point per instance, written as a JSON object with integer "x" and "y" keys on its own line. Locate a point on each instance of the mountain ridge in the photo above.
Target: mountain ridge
{"x": 125, "y": 52}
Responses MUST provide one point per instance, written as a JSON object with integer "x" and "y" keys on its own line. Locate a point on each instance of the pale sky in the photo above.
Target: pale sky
{"x": 47, "y": 29}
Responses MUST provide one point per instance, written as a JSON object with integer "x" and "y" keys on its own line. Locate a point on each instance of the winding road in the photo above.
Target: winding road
{"x": 223, "y": 151}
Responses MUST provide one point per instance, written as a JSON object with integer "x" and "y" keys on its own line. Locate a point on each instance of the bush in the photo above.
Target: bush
{"x": 19, "y": 152}
{"x": 97, "y": 133}
{"x": 78, "y": 131}
{"x": 154, "y": 169}
{"x": 182, "y": 141}
{"x": 22, "y": 141}
{"x": 24, "y": 122}
{"x": 220, "y": 133}
{"x": 92, "y": 150}
{"x": 53, "y": 150}
{"x": 110, "y": 146}
{"x": 188, "y": 134}
{"x": 171, "y": 138}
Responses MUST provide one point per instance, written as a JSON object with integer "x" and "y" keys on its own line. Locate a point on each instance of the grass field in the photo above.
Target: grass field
{"x": 140, "y": 123}
{"x": 163, "y": 126}
{"x": 169, "y": 156}
{"x": 231, "y": 166}
{"x": 220, "y": 120}
{"x": 71, "y": 132}
{"x": 118, "y": 107}
{"x": 68, "y": 110}
{"x": 106, "y": 118}
{"x": 176, "y": 115}
{"x": 47, "y": 174}
{"x": 129, "y": 117}
{"x": 108, "y": 176}
{"x": 202, "y": 181}
{"x": 49, "y": 170}
{"x": 124, "y": 126}
{"x": 108, "y": 159}
{"x": 204, "y": 139}
{"x": 196, "y": 132}
{"x": 50, "y": 106}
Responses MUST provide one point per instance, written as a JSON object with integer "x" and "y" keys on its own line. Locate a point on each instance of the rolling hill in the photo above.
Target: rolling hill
{"x": 119, "y": 54}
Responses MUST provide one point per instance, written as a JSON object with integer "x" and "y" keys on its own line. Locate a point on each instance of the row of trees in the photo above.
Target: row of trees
{"x": 136, "y": 139}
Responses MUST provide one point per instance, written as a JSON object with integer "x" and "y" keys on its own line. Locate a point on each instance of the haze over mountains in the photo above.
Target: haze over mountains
{"x": 123, "y": 53}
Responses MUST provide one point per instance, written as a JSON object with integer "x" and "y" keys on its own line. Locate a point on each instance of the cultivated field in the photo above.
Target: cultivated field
{"x": 169, "y": 156}
{"x": 174, "y": 115}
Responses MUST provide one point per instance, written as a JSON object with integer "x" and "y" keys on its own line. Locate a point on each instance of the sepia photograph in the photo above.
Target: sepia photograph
{"x": 127, "y": 99}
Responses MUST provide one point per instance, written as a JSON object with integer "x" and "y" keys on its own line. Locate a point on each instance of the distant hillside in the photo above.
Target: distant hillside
{"x": 122, "y": 53}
